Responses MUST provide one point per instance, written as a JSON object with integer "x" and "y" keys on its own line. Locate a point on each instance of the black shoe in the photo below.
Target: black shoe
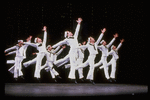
{"x": 82, "y": 80}
{"x": 91, "y": 81}
{"x": 21, "y": 77}
{"x": 113, "y": 80}
{"x": 58, "y": 77}
{"x": 37, "y": 80}
{"x": 73, "y": 81}
{"x": 54, "y": 80}
{"x": 109, "y": 80}
{"x": 16, "y": 79}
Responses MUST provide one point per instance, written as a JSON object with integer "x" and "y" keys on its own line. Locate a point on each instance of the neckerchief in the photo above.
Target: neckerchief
{"x": 92, "y": 45}
{"x": 70, "y": 37}
{"x": 116, "y": 52}
{"x": 40, "y": 45}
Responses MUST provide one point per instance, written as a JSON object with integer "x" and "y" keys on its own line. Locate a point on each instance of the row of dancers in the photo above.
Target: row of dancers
{"x": 75, "y": 55}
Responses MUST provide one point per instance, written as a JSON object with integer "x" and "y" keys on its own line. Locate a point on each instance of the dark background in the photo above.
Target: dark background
{"x": 22, "y": 19}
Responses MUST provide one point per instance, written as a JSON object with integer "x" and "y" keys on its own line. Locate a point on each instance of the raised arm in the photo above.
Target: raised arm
{"x": 63, "y": 47}
{"x": 60, "y": 43}
{"x": 11, "y": 48}
{"x": 111, "y": 42}
{"x": 78, "y": 27}
{"x": 56, "y": 49}
{"x": 31, "y": 44}
{"x": 45, "y": 34}
{"x": 120, "y": 44}
{"x": 101, "y": 35}
{"x": 10, "y": 53}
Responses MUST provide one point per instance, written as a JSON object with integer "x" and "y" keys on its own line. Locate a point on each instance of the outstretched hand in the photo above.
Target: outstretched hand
{"x": 63, "y": 47}
{"x": 103, "y": 30}
{"x": 116, "y": 35}
{"x": 44, "y": 28}
{"x": 79, "y": 20}
{"x": 122, "y": 40}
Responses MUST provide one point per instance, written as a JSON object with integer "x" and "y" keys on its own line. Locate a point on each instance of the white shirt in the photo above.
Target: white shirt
{"x": 19, "y": 50}
{"x": 104, "y": 49}
{"x": 71, "y": 41}
{"x": 80, "y": 53}
{"x": 51, "y": 56}
{"x": 92, "y": 48}
{"x": 114, "y": 53}
{"x": 41, "y": 47}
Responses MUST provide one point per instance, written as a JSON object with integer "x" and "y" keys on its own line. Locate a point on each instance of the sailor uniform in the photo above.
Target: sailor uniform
{"x": 51, "y": 56}
{"x": 73, "y": 43}
{"x": 104, "y": 50}
{"x": 41, "y": 47}
{"x": 18, "y": 59}
{"x": 92, "y": 48}
{"x": 113, "y": 61}
{"x": 80, "y": 57}
{"x": 13, "y": 61}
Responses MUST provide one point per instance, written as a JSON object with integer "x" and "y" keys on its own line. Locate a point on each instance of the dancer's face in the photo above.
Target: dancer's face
{"x": 83, "y": 43}
{"x": 104, "y": 43}
{"x": 69, "y": 34}
{"x": 20, "y": 43}
{"x": 50, "y": 48}
{"x": 39, "y": 40}
{"x": 92, "y": 39}
{"x": 114, "y": 48}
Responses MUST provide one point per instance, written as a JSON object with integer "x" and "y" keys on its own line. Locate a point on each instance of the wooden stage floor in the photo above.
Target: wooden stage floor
{"x": 49, "y": 89}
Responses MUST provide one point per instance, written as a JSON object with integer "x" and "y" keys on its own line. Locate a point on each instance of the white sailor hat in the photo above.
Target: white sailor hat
{"x": 102, "y": 41}
{"x": 20, "y": 40}
{"x": 65, "y": 35}
{"x": 35, "y": 40}
{"x": 79, "y": 44}
{"x": 48, "y": 46}
{"x": 89, "y": 40}
{"x": 112, "y": 46}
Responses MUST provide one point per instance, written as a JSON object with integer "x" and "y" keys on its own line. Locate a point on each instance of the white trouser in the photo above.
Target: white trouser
{"x": 113, "y": 69}
{"x": 28, "y": 63}
{"x": 53, "y": 72}
{"x": 90, "y": 61}
{"x": 73, "y": 63}
{"x": 112, "y": 62}
{"x": 38, "y": 64}
{"x": 104, "y": 62}
{"x": 18, "y": 67}
{"x": 80, "y": 70}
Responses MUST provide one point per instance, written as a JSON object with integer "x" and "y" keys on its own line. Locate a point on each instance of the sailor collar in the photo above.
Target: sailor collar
{"x": 91, "y": 44}
{"x": 70, "y": 37}
{"x": 115, "y": 51}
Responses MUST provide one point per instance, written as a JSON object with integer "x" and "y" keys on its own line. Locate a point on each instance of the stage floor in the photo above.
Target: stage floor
{"x": 49, "y": 89}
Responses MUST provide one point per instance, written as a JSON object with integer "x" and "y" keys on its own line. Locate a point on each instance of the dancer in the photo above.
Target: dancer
{"x": 72, "y": 41}
{"x": 104, "y": 49}
{"x": 80, "y": 54}
{"x": 24, "y": 53}
{"x": 18, "y": 58}
{"x": 51, "y": 56}
{"x": 112, "y": 62}
{"x": 92, "y": 48}
{"x": 41, "y": 46}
